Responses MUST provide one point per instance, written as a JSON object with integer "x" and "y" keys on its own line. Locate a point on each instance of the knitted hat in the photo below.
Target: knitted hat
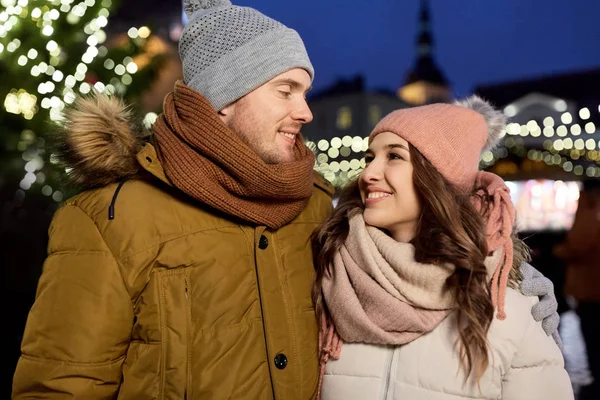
{"x": 228, "y": 51}
{"x": 452, "y": 137}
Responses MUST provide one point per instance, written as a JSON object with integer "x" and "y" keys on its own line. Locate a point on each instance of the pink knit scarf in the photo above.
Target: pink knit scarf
{"x": 377, "y": 293}
{"x": 499, "y": 221}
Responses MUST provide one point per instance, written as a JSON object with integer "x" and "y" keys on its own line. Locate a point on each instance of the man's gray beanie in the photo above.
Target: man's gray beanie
{"x": 228, "y": 51}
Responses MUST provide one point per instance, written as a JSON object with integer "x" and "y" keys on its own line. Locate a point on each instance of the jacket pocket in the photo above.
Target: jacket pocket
{"x": 175, "y": 329}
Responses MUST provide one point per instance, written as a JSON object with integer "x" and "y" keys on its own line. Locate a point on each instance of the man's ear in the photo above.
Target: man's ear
{"x": 227, "y": 111}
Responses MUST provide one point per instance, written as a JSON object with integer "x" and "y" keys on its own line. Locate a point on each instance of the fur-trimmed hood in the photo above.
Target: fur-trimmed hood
{"x": 98, "y": 141}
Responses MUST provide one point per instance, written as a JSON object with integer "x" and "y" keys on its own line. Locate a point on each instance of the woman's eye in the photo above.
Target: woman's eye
{"x": 368, "y": 159}
{"x": 394, "y": 156}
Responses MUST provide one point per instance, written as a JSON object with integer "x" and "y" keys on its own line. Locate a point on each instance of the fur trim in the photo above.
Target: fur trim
{"x": 495, "y": 119}
{"x": 98, "y": 143}
{"x": 190, "y": 6}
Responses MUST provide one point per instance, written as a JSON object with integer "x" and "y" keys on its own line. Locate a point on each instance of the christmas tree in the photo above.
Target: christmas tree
{"x": 51, "y": 52}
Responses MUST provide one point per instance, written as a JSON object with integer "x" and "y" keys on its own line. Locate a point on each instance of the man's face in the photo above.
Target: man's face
{"x": 269, "y": 118}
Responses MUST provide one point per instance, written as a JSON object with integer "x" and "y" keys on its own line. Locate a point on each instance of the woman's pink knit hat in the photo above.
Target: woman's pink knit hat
{"x": 453, "y": 137}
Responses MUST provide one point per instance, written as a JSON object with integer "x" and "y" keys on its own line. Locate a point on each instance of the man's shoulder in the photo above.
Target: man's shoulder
{"x": 323, "y": 184}
{"x": 138, "y": 192}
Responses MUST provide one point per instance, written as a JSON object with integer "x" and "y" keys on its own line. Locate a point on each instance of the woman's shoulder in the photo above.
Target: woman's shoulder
{"x": 518, "y": 305}
{"x": 531, "y": 362}
{"x": 519, "y": 337}
{"x": 518, "y": 317}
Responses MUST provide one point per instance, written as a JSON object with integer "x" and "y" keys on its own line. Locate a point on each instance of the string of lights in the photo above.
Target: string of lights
{"x": 568, "y": 146}
{"x": 60, "y": 67}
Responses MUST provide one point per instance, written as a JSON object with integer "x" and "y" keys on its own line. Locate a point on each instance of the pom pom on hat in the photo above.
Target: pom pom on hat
{"x": 190, "y": 6}
{"x": 495, "y": 119}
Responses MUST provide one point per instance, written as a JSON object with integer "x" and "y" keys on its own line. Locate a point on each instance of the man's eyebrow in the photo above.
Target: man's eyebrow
{"x": 293, "y": 83}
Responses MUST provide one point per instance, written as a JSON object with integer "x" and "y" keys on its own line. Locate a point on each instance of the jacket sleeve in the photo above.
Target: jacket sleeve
{"x": 78, "y": 330}
{"x": 537, "y": 369}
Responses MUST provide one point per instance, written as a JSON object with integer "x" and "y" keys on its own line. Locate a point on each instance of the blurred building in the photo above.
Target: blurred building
{"x": 551, "y": 143}
{"x": 552, "y": 130}
{"x": 345, "y": 113}
{"x": 426, "y": 82}
{"x": 343, "y": 117}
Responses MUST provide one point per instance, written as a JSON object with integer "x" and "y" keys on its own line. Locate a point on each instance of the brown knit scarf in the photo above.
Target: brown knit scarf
{"x": 208, "y": 161}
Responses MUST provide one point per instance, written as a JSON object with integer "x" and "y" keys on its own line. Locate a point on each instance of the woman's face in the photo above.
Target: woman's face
{"x": 387, "y": 189}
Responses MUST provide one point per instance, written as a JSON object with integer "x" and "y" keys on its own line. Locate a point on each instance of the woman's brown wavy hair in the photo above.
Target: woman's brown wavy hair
{"x": 450, "y": 230}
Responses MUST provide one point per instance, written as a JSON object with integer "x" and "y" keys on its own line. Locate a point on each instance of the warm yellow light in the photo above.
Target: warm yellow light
{"x": 513, "y": 129}
{"x": 568, "y": 166}
{"x": 47, "y": 30}
{"x": 92, "y": 40}
{"x": 132, "y": 67}
{"x": 562, "y": 131}
{"x": 590, "y": 144}
{"x": 87, "y": 58}
{"x": 11, "y": 104}
{"x": 85, "y": 88}
{"x": 132, "y": 33}
{"x": 560, "y": 105}
{"x": 57, "y": 76}
{"x": 558, "y": 145}
{"x": 590, "y": 127}
{"x": 99, "y": 87}
{"x": 549, "y": 121}
{"x": 149, "y": 120}
{"x": 51, "y": 46}
{"x": 119, "y": 69}
{"x": 487, "y": 156}
{"x": 144, "y": 32}
{"x": 524, "y": 130}
{"x": 510, "y": 111}
{"x": 566, "y": 118}
{"x": 568, "y": 143}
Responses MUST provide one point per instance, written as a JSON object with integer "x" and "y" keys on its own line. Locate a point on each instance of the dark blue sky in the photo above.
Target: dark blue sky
{"x": 476, "y": 41}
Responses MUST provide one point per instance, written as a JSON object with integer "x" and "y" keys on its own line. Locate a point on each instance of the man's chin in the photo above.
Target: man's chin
{"x": 287, "y": 157}
{"x": 278, "y": 158}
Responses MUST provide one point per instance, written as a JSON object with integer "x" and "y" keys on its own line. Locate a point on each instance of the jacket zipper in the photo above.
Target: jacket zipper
{"x": 262, "y": 317}
{"x": 185, "y": 391}
{"x": 387, "y": 372}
